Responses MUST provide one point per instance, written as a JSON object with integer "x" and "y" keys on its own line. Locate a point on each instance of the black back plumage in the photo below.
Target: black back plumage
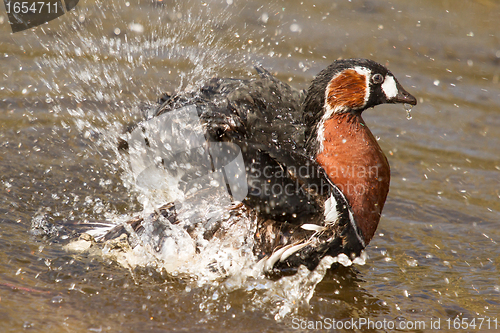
{"x": 263, "y": 110}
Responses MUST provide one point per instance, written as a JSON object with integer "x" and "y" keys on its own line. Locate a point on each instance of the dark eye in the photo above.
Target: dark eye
{"x": 377, "y": 79}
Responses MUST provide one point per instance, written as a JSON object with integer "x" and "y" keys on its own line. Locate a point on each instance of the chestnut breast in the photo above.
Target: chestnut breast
{"x": 356, "y": 164}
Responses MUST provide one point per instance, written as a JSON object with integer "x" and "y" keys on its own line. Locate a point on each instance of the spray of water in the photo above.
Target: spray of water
{"x": 116, "y": 60}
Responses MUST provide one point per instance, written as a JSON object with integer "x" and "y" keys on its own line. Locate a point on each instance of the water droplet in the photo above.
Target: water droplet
{"x": 57, "y": 299}
{"x": 136, "y": 27}
{"x": 408, "y": 108}
{"x": 264, "y": 18}
{"x": 294, "y": 27}
{"x": 412, "y": 263}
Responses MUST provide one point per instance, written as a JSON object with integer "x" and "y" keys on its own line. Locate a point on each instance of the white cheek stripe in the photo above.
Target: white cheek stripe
{"x": 389, "y": 87}
{"x": 329, "y": 111}
{"x": 367, "y": 73}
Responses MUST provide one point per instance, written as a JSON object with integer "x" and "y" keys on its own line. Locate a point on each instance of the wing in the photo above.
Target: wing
{"x": 264, "y": 109}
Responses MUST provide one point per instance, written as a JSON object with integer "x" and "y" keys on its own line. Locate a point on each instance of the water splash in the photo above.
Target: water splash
{"x": 110, "y": 77}
{"x": 114, "y": 65}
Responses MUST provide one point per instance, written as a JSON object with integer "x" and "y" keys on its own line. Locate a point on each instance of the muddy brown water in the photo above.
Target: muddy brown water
{"x": 435, "y": 257}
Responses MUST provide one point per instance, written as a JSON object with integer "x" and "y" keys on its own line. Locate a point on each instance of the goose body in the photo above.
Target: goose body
{"x": 305, "y": 167}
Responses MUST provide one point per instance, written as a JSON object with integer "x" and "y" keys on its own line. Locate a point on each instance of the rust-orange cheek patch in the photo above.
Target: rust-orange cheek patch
{"x": 347, "y": 90}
